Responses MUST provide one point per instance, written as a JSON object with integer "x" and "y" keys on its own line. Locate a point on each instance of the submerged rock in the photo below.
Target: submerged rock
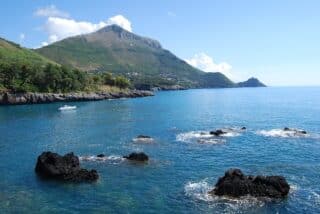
{"x": 218, "y": 132}
{"x": 235, "y": 184}
{"x": 66, "y": 168}
{"x": 143, "y": 139}
{"x": 137, "y": 157}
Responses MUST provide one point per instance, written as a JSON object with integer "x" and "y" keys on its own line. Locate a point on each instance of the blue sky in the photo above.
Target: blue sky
{"x": 276, "y": 41}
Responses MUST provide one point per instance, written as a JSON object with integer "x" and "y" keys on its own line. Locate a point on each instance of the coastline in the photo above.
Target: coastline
{"x": 8, "y": 98}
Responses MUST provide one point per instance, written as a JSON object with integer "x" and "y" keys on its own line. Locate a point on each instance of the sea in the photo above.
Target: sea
{"x": 185, "y": 160}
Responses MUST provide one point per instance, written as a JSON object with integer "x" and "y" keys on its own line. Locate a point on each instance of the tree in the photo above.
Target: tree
{"x": 108, "y": 79}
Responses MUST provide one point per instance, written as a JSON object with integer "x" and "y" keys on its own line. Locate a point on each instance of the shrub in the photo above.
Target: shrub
{"x": 122, "y": 82}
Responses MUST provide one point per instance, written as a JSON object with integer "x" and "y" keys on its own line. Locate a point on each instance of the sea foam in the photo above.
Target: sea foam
{"x": 292, "y": 133}
{"x": 93, "y": 158}
{"x": 205, "y": 136}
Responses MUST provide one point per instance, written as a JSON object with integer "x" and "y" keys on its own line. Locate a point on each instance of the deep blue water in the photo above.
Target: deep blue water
{"x": 181, "y": 169}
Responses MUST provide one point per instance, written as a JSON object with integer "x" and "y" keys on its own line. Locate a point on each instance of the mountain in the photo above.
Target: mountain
{"x": 12, "y": 53}
{"x": 140, "y": 59}
{"x": 252, "y": 82}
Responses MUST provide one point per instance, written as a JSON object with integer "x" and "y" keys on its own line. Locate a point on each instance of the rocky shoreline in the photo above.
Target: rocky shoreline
{"x": 36, "y": 98}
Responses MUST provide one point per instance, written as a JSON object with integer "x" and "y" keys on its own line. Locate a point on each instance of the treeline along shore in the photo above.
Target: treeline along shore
{"x": 25, "y": 83}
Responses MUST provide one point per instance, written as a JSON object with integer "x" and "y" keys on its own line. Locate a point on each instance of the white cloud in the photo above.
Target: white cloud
{"x": 59, "y": 28}
{"x": 22, "y": 36}
{"x": 171, "y": 14}
{"x": 121, "y": 21}
{"x": 206, "y": 63}
{"x": 43, "y": 44}
{"x": 51, "y": 11}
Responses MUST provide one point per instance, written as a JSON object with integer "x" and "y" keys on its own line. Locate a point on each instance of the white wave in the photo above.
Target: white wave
{"x": 101, "y": 159}
{"x": 294, "y": 188}
{"x": 190, "y": 136}
{"x": 292, "y": 133}
{"x": 143, "y": 140}
{"x": 211, "y": 141}
{"x": 231, "y": 134}
{"x": 206, "y": 137}
{"x": 198, "y": 190}
{"x": 316, "y": 197}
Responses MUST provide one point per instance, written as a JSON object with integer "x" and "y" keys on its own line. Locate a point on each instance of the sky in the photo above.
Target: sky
{"x": 277, "y": 41}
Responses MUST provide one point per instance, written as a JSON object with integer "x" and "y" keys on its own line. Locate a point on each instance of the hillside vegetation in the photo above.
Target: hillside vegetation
{"x": 23, "y": 70}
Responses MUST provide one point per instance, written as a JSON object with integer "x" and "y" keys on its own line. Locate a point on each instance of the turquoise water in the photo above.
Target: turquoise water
{"x": 181, "y": 169}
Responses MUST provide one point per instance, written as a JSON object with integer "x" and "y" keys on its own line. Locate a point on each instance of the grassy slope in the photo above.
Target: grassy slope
{"x": 13, "y": 53}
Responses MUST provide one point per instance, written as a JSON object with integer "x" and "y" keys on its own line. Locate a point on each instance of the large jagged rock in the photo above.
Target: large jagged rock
{"x": 235, "y": 184}
{"x": 142, "y": 157}
{"x": 65, "y": 168}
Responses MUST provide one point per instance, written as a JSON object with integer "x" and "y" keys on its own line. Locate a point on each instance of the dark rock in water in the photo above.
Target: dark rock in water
{"x": 65, "y": 168}
{"x": 243, "y": 128}
{"x": 296, "y": 131}
{"x": 101, "y": 156}
{"x": 218, "y": 132}
{"x": 137, "y": 156}
{"x": 235, "y": 184}
{"x": 143, "y": 137}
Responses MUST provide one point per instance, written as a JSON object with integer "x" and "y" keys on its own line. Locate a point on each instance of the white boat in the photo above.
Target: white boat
{"x": 66, "y": 108}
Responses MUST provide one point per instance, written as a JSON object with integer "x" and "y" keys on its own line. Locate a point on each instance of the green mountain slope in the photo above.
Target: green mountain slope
{"x": 12, "y": 53}
{"x": 141, "y": 59}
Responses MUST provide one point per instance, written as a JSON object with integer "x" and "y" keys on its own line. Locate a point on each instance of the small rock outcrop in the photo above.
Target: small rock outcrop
{"x": 143, "y": 137}
{"x": 142, "y": 157}
{"x": 235, "y": 184}
{"x": 101, "y": 156}
{"x": 64, "y": 168}
{"x": 296, "y": 131}
{"x": 218, "y": 132}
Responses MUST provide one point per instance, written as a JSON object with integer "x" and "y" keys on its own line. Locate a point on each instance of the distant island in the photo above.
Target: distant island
{"x": 110, "y": 60}
{"x": 252, "y": 82}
